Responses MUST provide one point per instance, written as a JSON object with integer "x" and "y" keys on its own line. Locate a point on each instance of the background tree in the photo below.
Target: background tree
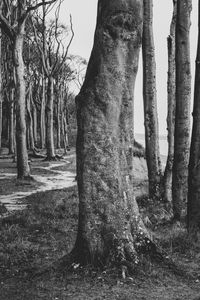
{"x": 182, "y": 120}
{"x": 12, "y": 21}
{"x": 194, "y": 167}
{"x": 150, "y": 102}
{"x": 109, "y": 221}
{"x": 171, "y": 99}
{"x": 53, "y": 55}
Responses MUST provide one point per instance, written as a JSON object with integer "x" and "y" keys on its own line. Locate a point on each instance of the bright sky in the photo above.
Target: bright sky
{"x": 84, "y": 21}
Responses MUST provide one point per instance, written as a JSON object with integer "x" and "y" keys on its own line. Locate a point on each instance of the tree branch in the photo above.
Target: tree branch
{"x": 34, "y": 7}
{"x": 57, "y": 68}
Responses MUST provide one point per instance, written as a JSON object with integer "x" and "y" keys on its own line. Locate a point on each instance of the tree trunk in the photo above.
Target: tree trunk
{"x": 42, "y": 113}
{"x": 11, "y": 124}
{"x": 23, "y": 169}
{"x": 30, "y": 119}
{"x": 182, "y": 120}
{"x": 171, "y": 93}
{"x": 34, "y": 116}
{"x": 109, "y": 219}
{"x": 58, "y": 121}
{"x": 49, "y": 116}
{"x": 65, "y": 134}
{"x": 194, "y": 167}
{"x": 1, "y": 96}
{"x": 150, "y": 102}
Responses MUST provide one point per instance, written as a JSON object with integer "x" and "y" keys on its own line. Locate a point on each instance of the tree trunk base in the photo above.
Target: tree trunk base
{"x": 26, "y": 178}
{"x": 54, "y": 158}
{"x": 148, "y": 251}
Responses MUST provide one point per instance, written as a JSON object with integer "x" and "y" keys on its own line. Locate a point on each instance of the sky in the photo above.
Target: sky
{"x": 84, "y": 22}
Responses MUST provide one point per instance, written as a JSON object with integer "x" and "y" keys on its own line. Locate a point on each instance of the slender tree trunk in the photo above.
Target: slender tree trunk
{"x": 182, "y": 120}
{"x": 65, "y": 134}
{"x": 30, "y": 119}
{"x": 34, "y": 116}
{"x": 108, "y": 213}
{"x": 194, "y": 167}
{"x": 150, "y": 102}
{"x": 42, "y": 113}
{"x": 171, "y": 93}
{"x": 58, "y": 121}
{"x": 49, "y": 116}
{"x": 23, "y": 169}
{"x": 11, "y": 124}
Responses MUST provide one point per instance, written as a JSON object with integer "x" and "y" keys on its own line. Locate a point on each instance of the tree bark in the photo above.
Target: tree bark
{"x": 11, "y": 123}
{"x": 109, "y": 221}
{"x": 23, "y": 169}
{"x": 58, "y": 120}
{"x": 171, "y": 99}
{"x": 150, "y": 102}
{"x": 65, "y": 134}
{"x": 49, "y": 118}
{"x": 182, "y": 120}
{"x": 194, "y": 167}
{"x": 34, "y": 116}
{"x": 1, "y": 96}
{"x": 30, "y": 118}
{"x": 42, "y": 113}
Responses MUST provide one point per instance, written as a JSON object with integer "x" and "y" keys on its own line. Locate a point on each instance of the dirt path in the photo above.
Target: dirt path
{"x": 54, "y": 176}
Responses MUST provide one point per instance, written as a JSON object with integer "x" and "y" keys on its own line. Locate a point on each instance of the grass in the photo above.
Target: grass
{"x": 33, "y": 239}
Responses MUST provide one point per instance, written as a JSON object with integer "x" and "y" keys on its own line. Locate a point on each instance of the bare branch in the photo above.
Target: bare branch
{"x": 57, "y": 68}
{"x": 34, "y": 7}
{"x": 40, "y": 49}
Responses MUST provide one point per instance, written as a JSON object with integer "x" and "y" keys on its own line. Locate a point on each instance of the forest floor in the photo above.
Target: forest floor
{"x": 44, "y": 228}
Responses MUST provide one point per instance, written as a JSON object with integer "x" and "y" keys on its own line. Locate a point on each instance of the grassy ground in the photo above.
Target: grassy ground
{"x": 32, "y": 239}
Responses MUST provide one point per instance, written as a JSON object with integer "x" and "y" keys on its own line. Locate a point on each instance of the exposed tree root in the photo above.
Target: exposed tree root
{"x": 122, "y": 256}
{"x": 35, "y": 153}
{"x": 54, "y": 158}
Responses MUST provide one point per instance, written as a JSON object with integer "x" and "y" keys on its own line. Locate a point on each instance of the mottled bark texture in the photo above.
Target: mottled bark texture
{"x": 109, "y": 221}
{"x": 171, "y": 103}
{"x": 150, "y": 102}
{"x": 194, "y": 166}
{"x": 182, "y": 120}
{"x": 23, "y": 169}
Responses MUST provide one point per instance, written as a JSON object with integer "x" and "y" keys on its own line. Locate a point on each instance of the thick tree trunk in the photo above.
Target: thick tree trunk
{"x": 109, "y": 221}
{"x": 150, "y": 102}
{"x": 1, "y": 120}
{"x": 49, "y": 118}
{"x": 171, "y": 95}
{"x": 194, "y": 168}
{"x": 23, "y": 169}
{"x": 42, "y": 113}
{"x": 182, "y": 120}
{"x": 1, "y": 96}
